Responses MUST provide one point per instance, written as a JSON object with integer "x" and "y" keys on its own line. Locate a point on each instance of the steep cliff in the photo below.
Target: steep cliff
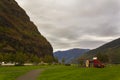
{"x": 18, "y": 33}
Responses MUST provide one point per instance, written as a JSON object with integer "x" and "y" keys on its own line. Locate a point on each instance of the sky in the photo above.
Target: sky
{"x": 75, "y": 23}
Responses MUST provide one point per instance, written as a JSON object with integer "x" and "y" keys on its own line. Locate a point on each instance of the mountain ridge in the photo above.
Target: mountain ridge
{"x": 69, "y": 55}
{"x": 111, "y": 49}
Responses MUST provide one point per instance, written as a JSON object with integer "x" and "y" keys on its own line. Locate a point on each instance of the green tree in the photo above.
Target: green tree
{"x": 80, "y": 62}
{"x": 114, "y": 56}
{"x": 103, "y": 57}
{"x": 12, "y": 58}
{"x": 56, "y": 60}
{"x": 35, "y": 59}
{"x": 63, "y": 60}
{"x": 7, "y": 57}
{"x": 1, "y": 58}
{"x": 20, "y": 58}
{"x": 48, "y": 59}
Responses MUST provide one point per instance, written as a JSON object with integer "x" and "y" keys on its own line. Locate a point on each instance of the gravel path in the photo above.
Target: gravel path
{"x": 32, "y": 75}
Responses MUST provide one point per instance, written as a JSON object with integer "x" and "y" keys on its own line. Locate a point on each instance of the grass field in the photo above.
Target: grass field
{"x": 11, "y": 73}
{"x": 60, "y": 72}
{"x": 75, "y": 73}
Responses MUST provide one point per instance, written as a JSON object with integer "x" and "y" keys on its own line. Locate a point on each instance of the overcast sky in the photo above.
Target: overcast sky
{"x": 75, "y": 23}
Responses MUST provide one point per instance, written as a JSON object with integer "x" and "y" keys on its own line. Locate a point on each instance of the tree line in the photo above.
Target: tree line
{"x": 21, "y": 58}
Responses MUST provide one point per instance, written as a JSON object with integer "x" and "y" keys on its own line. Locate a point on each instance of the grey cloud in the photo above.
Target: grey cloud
{"x": 91, "y": 43}
{"x": 105, "y": 30}
{"x": 78, "y": 44}
{"x": 66, "y": 23}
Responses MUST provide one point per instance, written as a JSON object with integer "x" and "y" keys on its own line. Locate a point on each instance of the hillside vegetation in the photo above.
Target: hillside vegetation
{"x": 18, "y": 34}
{"x": 111, "y": 50}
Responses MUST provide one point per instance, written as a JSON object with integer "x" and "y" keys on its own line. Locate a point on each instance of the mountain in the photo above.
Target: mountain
{"x": 111, "y": 49}
{"x": 69, "y": 55}
{"x": 18, "y": 33}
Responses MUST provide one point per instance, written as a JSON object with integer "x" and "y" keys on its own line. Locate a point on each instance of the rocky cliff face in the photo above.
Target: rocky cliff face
{"x": 18, "y": 33}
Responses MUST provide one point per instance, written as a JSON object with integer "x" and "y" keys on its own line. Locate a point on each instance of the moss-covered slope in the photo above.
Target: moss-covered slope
{"x": 18, "y": 33}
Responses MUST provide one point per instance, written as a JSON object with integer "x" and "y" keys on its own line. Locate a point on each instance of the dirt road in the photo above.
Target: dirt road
{"x": 32, "y": 75}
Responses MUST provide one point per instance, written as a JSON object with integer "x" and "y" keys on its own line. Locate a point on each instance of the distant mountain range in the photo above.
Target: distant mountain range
{"x": 112, "y": 49}
{"x": 69, "y": 55}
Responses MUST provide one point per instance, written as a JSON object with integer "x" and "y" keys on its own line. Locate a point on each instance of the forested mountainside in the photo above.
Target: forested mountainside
{"x": 110, "y": 50}
{"x": 18, "y": 33}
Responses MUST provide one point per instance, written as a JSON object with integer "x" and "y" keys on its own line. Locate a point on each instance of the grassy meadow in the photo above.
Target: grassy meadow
{"x": 61, "y": 72}
{"x": 75, "y": 73}
{"x": 12, "y": 72}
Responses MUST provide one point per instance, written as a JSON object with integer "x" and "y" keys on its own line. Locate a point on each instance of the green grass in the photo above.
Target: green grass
{"x": 11, "y": 73}
{"x": 60, "y": 72}
{"x": 75, "y": 73}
